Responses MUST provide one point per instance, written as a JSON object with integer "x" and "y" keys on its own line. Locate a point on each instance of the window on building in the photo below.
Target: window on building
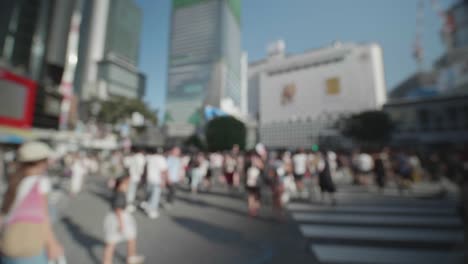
{"x": 465, "y": 116}
{"x": 439, "y": 123}
{"x": 423, "y": 117}
{"x": 452, "y": 118}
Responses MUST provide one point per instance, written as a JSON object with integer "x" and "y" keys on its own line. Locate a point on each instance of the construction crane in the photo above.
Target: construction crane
{"x": 418, "y": 49}
{"x": 447, "y": 30}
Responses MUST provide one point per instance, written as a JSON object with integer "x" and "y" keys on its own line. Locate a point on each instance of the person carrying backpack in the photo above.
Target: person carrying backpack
{"x": 27, "y": 236}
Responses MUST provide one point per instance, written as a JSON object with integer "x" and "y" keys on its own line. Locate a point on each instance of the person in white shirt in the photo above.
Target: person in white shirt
{"x": 136, "y": 168}
{"x": 199, "y": 170}
{"x": 156, "y": 171}
{"x": 332, "y": 158}
{"x": 289, "y": 183}
{"x": 78, "y": 172}
{"x": 365, "y": 165}
{"x": 253, "y": 179}
{"x": 175, "y": 171}
{"x": 300, "y": 168}
{"x": 216, "y": 167}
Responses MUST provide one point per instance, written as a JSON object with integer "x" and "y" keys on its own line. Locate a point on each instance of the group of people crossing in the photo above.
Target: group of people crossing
{"x": 282, "y": 175}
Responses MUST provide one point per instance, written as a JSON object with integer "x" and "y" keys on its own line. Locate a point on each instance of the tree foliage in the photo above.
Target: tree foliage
{"x": 222, "y": 133}
{"x": 120, "y": 108}
{"x": 370, "y": 127}
{"x": 194, "y": 141}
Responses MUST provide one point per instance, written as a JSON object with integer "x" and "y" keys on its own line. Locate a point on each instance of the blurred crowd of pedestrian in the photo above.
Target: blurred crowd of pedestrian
{"x": 282, "y": 174}
{"x": 148, "y": 178}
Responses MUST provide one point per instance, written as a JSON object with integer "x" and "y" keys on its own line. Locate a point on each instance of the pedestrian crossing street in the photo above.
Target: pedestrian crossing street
{"x": 370, "y": 228}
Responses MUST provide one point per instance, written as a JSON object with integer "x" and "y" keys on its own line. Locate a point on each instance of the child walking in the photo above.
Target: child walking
{"x": 119, "y": 225}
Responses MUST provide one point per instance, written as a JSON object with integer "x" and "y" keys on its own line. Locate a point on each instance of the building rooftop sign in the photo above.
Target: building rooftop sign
{"x": 235, "y": 6}
{"x": 184, "y": 3}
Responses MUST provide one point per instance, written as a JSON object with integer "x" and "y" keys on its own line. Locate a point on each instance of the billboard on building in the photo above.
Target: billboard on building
{"x": 17, "y": 97}
{"x": 308, "y": 88}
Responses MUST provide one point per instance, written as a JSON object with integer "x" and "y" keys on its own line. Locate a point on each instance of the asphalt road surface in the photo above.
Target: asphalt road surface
{"x": 204, "y": 228}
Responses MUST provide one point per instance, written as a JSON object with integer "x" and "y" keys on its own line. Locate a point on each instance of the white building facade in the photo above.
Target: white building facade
{"x": 296, "y": 98}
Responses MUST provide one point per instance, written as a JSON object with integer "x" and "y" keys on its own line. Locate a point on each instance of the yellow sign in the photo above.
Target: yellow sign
{"x": 289, "y": 91}
{"x": 333, "y": 86}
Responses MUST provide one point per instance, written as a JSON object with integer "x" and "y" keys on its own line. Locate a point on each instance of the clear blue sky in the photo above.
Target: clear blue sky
{"x": 304, "y": 24}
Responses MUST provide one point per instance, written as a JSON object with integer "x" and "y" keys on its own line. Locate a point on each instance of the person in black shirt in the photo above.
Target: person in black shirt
{"x": 119, "y": 225}
{"x": 379, "y": 171}
{"x": 325, "y": 179}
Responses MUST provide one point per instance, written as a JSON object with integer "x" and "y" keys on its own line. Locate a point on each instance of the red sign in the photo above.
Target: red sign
{"x": 17, "y": 98}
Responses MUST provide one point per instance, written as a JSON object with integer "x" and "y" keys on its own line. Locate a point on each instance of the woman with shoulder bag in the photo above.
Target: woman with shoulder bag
{"x": 27, "y": 236}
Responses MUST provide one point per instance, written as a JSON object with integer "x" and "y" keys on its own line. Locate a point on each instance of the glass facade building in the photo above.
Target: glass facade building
{"x": 124, "y": 30}
{"x": 109, "y": 49}
{"x": 204, "y": 60}
{"x": 33, "y": 45}
{"x": 118, "y": 69}
{"x": 23, "y": 36}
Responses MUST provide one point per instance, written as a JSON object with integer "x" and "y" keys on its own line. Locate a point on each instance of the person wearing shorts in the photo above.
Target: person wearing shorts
{"x": 253, "y": 177}
{"x": 120, "y": 226}
{"x": 300, "y": 168}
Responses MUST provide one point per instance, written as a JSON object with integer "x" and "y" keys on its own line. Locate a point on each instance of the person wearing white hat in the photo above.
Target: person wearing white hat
{"x": 27, "y": 233}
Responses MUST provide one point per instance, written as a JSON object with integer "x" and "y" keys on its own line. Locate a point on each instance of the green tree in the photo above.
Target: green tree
{"x": 120, "y": 108}
{"x": 368, "y": 128}
{"x": 196, "y": 142}
{"x": 224, "y": 132}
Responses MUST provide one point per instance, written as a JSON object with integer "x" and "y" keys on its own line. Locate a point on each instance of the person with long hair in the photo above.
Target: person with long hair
{"x": 254, "y": 170}
{"x": 120, "y": 225}
{"x": 27, "y": 234}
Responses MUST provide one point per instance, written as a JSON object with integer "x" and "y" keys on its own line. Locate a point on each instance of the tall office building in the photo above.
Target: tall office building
{"x": 34, "y": 40}
{"x": 204, "y": 62}
{"x": 109, "y": 50}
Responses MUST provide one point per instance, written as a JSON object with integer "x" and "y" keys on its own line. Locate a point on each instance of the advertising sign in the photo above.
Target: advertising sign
{"x": 17, "y": 98}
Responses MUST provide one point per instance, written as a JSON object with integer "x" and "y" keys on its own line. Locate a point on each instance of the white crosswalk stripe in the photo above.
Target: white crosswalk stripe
{"x": 370, "y": 228}
{"x": 376, "y": 255}
{"x": 374, "y": 209}
{"x": 445, "y": 221}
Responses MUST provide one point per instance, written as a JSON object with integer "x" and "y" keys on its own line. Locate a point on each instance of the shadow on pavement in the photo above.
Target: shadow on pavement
{"x": 234, "y": 194}
{"x": 106, "y": 196}
{"x": 216, "y": 234}
{"x": 85, "y": 240}
{"x": 204, "y": 204}
{"x": 263, "y": 252}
